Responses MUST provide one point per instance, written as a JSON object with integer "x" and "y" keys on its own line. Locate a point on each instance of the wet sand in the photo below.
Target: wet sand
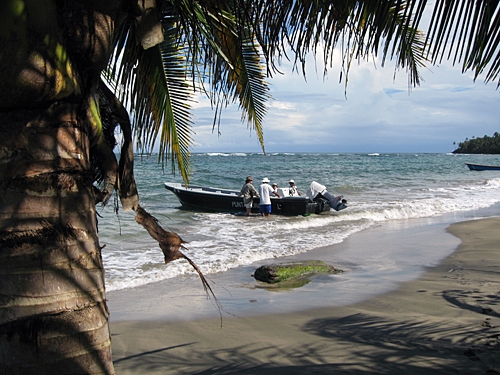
{"x": 445, "y": 322}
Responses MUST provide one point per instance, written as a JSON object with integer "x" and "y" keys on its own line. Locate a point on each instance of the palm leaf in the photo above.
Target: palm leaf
{"x": 254, "y": 90}
{"x": 359, "y": 28}
{"x": 226, "y": 58}
{"x": 469, "y": 32}
{"x": 155, "y": 86}
{"x": 204, "y": 48}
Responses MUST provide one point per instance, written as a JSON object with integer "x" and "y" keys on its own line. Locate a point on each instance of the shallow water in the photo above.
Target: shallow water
{"x": 374, "y": 261}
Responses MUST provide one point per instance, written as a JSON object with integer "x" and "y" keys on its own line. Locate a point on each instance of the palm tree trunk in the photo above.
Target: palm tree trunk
{"x": 53, "y": 313}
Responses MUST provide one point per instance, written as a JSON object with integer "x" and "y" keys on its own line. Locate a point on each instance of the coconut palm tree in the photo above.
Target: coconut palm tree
{"x": 74, "y": 72}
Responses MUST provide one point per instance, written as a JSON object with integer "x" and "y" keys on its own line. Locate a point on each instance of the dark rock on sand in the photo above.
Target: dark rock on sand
{"x": 276, "y": 273}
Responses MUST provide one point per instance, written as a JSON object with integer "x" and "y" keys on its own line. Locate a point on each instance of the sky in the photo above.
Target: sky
{"x": 376, "y": 113}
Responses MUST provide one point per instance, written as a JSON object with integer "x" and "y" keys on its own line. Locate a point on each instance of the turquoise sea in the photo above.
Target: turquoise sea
{"x": 378, "y": 187}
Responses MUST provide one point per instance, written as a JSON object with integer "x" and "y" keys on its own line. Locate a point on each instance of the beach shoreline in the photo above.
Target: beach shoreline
{"x": 444, "y": 321}
{"x": 375, "y": 261}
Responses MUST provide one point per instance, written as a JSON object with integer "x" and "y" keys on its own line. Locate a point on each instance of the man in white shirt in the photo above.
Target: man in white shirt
{"x": 293, "y": 189}
{"x": 265, "y": 192}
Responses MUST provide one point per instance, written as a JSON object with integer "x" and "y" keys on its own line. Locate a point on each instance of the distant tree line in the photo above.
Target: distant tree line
{"x": 484, "y": 145}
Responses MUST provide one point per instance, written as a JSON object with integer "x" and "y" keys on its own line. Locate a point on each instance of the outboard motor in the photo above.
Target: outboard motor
{"x": 337, "y": 203}
{"x": 318, "y": 193}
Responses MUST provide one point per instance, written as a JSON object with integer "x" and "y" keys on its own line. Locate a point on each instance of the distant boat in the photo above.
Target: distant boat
{"x": 481, "y": 167}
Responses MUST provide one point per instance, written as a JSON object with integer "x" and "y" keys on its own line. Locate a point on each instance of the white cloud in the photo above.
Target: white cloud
{"x": 379, "y": 113}
{"x": 281, "y": 105}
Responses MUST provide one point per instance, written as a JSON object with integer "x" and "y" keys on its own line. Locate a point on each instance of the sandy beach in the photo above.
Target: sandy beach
{"x": 445, "y": 322}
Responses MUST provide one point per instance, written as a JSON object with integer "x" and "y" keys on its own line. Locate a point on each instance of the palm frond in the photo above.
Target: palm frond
{"x": 226, "y": 58}
{"x": 154, "y": 84}
{"x": 468, "y": 32}
{"x": 205, "y": 47}
{"x": 177, "y": 116}
{"x": 253, "y": 90}
{"x": 359, "y": 28}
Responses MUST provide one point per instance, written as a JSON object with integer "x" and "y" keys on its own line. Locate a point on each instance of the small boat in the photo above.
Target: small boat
{"x": 481, "y": 167}
{"x": 317, "y": 200}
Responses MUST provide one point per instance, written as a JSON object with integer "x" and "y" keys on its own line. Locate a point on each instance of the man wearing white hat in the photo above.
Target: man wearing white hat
{"x": 265, "y": 192}
{"x": 293, "y": 189}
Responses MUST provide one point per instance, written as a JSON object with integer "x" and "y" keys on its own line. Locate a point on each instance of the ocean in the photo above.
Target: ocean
{"x": 379, "y": 188}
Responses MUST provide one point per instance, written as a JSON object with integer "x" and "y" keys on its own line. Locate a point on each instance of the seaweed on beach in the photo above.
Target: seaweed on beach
{"x": 278, "y": 273}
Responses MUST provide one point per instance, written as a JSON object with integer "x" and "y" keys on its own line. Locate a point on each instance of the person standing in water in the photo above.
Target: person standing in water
{"x": 248, "y": 191}
{"x": 265, "y": 197}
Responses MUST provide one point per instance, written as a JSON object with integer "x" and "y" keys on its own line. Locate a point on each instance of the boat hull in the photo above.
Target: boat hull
{"x": 480, "y": 167}
{"x": 223, "y": 200}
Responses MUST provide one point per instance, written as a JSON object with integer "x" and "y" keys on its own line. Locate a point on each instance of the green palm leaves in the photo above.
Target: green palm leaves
{"x": 205, "y": 51}
{"x": 224, "y": 48}
{"x": 467, "y": 32}
{"x": 359, "y": 29}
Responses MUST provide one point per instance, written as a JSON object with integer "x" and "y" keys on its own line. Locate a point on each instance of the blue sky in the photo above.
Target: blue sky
{"x": 378, "y": 115}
